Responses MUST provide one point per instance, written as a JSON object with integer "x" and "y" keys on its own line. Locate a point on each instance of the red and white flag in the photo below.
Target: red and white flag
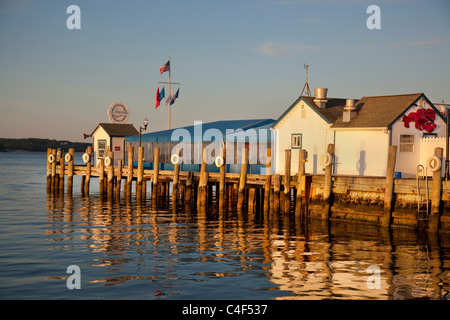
{"x": 165, "y": 67}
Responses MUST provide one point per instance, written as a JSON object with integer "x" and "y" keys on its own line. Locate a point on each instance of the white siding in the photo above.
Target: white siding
{"x": 315, "y": 138}
{"x": 407, "y": 162}
{"x": 118, "y": 149}
{"x": 361, "y": 152}
{"x": 100, "y": 134}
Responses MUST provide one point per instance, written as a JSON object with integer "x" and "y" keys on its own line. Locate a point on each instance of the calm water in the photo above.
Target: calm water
{"x": 131, "y": 251}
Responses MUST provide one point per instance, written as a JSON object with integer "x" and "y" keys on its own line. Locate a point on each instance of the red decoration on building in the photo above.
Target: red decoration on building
{"x": 423, "y": 119}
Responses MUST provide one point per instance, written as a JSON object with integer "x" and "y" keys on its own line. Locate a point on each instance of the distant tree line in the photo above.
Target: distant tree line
{"x": 35, "y": 144}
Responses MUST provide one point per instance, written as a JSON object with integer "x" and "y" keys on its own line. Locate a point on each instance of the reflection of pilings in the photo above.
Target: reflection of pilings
{"x": 389, "y": 260}
{"x": 436, "y": 262}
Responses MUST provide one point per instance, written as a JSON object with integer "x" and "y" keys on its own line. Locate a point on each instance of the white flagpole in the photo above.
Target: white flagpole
{"x": 170, "y": 67}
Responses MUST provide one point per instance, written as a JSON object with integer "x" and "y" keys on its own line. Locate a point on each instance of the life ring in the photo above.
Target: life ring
{"x": 68, "y": 157}
{"x": 175, "y": 159}
{"x": 219, "y": 161}
{"x": 86, "y": 158}
{"x": 326, "y": 159}
{"x": 434, "y": 163}
{"x": 108, "y": 161}
{"x": 51, "y": 158}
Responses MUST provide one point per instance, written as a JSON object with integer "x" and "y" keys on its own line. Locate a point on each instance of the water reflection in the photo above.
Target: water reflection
{"x": 175, "y": 253}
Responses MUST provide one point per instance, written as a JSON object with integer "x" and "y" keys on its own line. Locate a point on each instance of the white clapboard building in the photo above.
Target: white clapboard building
{"x": 362, "y": 131}
{"x": 111, "y": 137}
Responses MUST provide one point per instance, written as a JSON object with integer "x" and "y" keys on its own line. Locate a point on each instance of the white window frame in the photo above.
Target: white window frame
{"x": 406, "y": 146}
{"x": 101, "y": 151}
{"x": 296, "y": 141}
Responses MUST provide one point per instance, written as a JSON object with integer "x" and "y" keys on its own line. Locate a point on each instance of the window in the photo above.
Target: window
{"x": 406, "y": 143}
{"x": 101, "y": 146}
{"x": 429, "y": 135}
{"x": 296, "y": 141}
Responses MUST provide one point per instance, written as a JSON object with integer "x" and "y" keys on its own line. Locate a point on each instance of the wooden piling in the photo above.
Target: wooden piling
{"x": 251, "y": 200}
{"x": 188, "y": 193}
{"x": 231, "y": 188}
{"x": 118, "y": 178}
{"x": 276, "y": 192}
{"x": 242, "y": 180}
{"x": 433, "y": 223}
{"x": 175, "y": 182}
{"x": 327, "y": 195}
{"x": 70, "y": 170}
{"x": 49, "y": 171}
{"x": 300, "y": 181}
{"x": 83, "y": 184}
{"x": 287, "y": 181}
{"x": 202, "y": 187}
{"x": 101, "y": 177}
{"x": 155, "y": 173}
{"x": 56, "y": 180}
{"x": 140, "y": 172}
{"x": 389, "y": 189}
{"x": 268, "y": 181}
{"x": 223, "y": 176}
{"x": 61, "y": 173}
{"x": 130, "y": 172}
{"x": 53, "y": 174}
{"x": 110, "y": 175}
{"x": 88, "y": 171}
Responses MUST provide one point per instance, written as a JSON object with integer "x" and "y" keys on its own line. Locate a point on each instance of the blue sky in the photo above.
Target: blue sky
{"x": 238, "y": 59}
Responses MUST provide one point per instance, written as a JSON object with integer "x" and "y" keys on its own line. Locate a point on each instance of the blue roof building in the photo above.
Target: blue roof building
{"x": 256, "y": 132}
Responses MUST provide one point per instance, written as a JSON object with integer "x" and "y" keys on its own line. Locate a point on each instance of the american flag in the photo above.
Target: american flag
{"x": 165, "y": 67}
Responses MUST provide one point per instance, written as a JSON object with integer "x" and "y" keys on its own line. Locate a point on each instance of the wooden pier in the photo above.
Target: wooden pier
{"x": 386, "y": 201}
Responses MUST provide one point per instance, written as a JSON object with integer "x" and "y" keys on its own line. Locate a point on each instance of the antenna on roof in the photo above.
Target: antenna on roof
{"x": 306, "y": 86}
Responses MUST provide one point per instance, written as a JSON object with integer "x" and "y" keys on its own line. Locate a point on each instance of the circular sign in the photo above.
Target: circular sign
{"x": 118, "y": 112}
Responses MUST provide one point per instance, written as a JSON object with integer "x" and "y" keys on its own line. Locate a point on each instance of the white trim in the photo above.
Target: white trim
{"x": 361, "y": 129}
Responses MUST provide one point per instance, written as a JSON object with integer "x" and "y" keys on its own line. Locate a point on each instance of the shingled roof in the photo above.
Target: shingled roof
{"x": 118, "y": 129}
{"x": 333, "y": 109}
{"x": 330, "y": 113}
{"x": 379, "y": 111}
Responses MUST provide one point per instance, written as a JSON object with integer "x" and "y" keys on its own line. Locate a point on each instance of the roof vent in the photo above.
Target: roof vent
{"x": 320, "y": 93}
{"x": 349, "y": 110}
{"x": 350, "y": 105}
{"x": 320, "y": 97}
